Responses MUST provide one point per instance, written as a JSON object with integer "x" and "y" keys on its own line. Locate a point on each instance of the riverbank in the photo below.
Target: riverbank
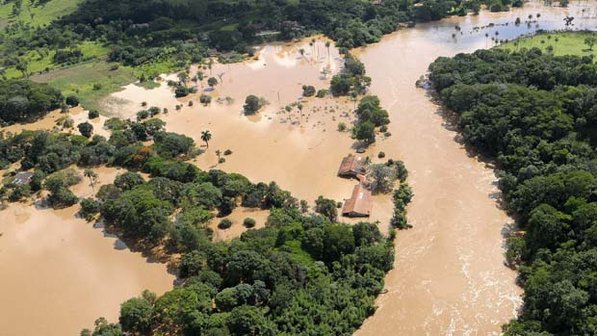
{"x": 60, "y": 273}
{"x": 449, "y": 275}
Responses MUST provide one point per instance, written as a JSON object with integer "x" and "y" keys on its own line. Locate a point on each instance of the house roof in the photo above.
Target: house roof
{"x": 359, "y": 203}
{"x": 22, "y": 178}
{"x": 352, "y": 165}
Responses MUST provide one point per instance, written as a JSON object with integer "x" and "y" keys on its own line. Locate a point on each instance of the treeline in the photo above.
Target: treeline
{"x": 301, "y": 274}
{"x": 23, "y": 101}
{"x": 536, "y": 114}
{"x": 147, "y": 31}
{"x": 180, "y": 32}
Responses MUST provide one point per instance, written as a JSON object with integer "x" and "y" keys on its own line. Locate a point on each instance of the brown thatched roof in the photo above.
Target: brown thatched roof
{"x": 359, "y": 205}
{"x": 351, "y": 166}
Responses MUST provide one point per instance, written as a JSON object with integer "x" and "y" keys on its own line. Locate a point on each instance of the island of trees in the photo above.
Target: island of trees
{"x": 535, "y": 114}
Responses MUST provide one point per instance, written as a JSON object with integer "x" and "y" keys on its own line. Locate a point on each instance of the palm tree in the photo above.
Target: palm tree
{"x": 92, "y": 177}
{"x": 206, "y": 136}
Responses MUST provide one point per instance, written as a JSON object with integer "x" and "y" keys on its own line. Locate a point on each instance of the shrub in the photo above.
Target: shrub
{"x": 89, "y": 208}
{"x": 144, "y": 114}
{"x": 205, "y": 99}
{"x": 381, "y": 155}
{"x": 93, "y": 114}
{"x": 308, "y": 90}
{"x": 252, "y": 104}
{"x": 322, "y": 93}
{"x": 154, "y": 110}
{"x": 249, "y": 222}
{"x": 341, "y": 126}
{"x": 181, "y": 91}
{"x": 227, "y": 152}
{"x": 225, "y": 224}
{"x": 86, "y": 129}
{"x": 72, "y": 101}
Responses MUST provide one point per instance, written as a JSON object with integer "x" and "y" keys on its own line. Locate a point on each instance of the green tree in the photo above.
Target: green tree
{"x": 206, "y": 137}
{"x": 86, "y": 129}
{"x": 365, "y": 132}
{"x": 252, "y": 105}
{"x": 326, "y": 207}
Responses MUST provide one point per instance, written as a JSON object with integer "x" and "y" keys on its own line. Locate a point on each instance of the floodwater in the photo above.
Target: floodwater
{"x": 449, "y": 277}
{"x": 59, "y": 273}
{"x": 299, "y": 149}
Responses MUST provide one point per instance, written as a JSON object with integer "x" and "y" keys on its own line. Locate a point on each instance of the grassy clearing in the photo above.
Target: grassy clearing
{"x": 43, "y": 61}
{"x": 154, "y": 69}
{"x": 40, "y": 15}
{"x": 563, "y": 43}
{"x": 91, "y": 82}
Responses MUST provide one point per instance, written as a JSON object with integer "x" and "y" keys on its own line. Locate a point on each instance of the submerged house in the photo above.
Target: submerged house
{"x": 359, "y": 204}
{"x": 22, "y": 178}
{"x": 352, "y": 166}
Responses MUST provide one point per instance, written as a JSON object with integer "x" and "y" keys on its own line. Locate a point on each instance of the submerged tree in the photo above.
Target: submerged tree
{"x": 206, "y": 137}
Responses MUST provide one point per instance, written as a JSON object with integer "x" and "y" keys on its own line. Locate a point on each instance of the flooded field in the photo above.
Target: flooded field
{"x": 59, "y": 273}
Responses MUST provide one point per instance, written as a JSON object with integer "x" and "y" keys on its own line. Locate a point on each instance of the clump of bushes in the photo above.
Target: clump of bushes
{"x": 225, "y": 224}
{"x": 308, "y": 90}
{"x": 322, "y": 93}
{"x": 253, "y": 104}
{"x": 205, "y": 99}
{"x": 92, "y": 114}
{"x": 249, "y": 222}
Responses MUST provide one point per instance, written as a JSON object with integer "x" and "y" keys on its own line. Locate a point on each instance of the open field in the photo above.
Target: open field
{"x": 40, "y": 62}
{"x": 90, "y": 81}
{"x": 37, "y": 15}
{"x": 563, "y": 43}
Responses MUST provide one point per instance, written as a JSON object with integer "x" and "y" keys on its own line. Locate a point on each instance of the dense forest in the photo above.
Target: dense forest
{"x": 536, "y": 115}
{"x": 301, "y": 274}
{"x": 25, "y": 101}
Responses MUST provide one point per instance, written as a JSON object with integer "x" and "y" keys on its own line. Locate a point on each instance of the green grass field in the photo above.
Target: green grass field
{"x": 91, "y": 82}
{"x": 40, "y": 62}
{"x": 40, "y": 15}
{"x": 563, "y": 43}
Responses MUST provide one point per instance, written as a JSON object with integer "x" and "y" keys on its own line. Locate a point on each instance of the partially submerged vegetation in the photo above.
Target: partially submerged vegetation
{"x": 534, "y": 113}
{"x": 45, "y": 39}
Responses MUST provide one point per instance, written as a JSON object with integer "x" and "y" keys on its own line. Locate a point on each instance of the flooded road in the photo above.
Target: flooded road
{"x": 59, "y": 273}
{"x": 449, "y": 277}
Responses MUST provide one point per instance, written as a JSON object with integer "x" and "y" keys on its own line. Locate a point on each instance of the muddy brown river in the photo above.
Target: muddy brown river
{"x": 60, "y": 273}
{"x": 449, "y": 277}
